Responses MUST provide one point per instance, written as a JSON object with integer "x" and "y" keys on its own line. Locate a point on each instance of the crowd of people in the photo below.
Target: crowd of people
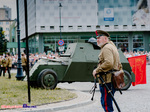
{"x": 138, "y": 53}
{"x": 8, "y": 61}
{"x": 33, "y": 58}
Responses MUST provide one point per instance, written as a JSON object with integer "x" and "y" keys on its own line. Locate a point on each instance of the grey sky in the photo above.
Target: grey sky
{"x": 11, "y": 4}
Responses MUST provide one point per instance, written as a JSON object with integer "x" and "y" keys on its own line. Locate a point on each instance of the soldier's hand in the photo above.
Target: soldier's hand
{"x": 94, "y": 73}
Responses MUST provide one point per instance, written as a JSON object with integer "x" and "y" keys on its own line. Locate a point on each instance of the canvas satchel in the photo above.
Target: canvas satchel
{"x": 118, "y": 79}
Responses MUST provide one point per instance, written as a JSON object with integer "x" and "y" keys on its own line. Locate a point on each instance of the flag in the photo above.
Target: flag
{"x": 138, "y": 65}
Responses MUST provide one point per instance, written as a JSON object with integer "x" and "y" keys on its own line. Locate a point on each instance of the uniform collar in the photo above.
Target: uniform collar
{"x": 104, "y": 45}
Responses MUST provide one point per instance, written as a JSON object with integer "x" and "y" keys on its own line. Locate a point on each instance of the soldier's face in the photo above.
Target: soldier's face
{"x": 100, "y": 40}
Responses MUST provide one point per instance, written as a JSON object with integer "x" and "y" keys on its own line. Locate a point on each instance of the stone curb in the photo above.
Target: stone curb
{"x": 81, "y": 100}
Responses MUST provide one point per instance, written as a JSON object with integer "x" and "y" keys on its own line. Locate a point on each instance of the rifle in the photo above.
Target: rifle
{"x": 93, "y": 89}
{"x": 108, "y": 90}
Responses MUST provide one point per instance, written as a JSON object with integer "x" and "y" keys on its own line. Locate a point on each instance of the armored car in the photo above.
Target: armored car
{"x": 75, "y": 65}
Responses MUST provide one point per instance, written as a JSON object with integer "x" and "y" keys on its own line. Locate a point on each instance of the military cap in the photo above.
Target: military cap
{"x": 101, "y": 33}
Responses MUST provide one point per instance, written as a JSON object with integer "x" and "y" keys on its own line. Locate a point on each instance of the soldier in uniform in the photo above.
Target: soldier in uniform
{"x": 24, "y": 62}
{"x": 108, "y": 60}
{"x": 0, "y": 65}
{"x": 3, "y": 66}
{"x": 9, "y": 64}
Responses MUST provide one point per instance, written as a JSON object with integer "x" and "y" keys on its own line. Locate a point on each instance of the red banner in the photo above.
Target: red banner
{"x": 138, "y": 65}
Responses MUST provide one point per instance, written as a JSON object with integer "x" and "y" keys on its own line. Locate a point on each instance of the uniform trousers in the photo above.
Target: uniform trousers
{"x": 24, "y": 69}
{"x": 1, "y": 70}
{"x": 106, "y": 100}
{"x": 4, "y": 69}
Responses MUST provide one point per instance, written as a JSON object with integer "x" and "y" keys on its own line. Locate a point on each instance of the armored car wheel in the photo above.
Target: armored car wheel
{"x": 47, "y": 79}
{"x": 127, "y": 80}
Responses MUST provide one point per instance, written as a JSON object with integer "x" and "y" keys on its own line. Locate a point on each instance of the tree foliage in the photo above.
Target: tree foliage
{"x": 3, "y": 41}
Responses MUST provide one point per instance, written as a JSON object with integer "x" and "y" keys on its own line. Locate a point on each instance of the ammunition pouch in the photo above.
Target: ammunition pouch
{"x": 117, "y": 78}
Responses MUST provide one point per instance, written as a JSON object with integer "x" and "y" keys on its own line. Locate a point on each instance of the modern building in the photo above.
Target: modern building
{"x": 5, "y": 20}
{"x": 5, "y": 13}
{"x": 126, "y": 21}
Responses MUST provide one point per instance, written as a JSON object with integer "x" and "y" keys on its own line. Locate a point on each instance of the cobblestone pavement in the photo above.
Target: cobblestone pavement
{"x": 135, "y": 99}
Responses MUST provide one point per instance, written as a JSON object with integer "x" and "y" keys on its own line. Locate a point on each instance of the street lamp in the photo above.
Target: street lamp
{"x": 60, "y": 6}
{"x": 19, "y": 75}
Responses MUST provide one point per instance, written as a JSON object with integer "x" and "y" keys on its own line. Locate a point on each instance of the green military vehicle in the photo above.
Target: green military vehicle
{"x": 75, "y": 65}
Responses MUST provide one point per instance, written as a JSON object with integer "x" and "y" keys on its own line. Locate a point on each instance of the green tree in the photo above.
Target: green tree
{"x": 3, "y": 41}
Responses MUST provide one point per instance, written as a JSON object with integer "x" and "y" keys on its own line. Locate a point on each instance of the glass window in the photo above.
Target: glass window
{"x": 88, "y": 14}
{"x": 70, "y": 27}
{"x": 13, "y": 32}
{"x": 52, "y": 27}
{"x": 122, "y": 11}
{"x": 119, "y": 20}
{"x": 70, "y": 1}
{"x": 137, "y": 38}
{"x": 98, "y": 27}
{"x": 7, "y": 29}
{"x": 83, "y": 7}
{"x": 51, "y": 14}
{"x": 121, "y": 42}
{"x": 122, "y": 39}
{"x": 79, "y": 27}
{"x": 79, "y": 1}
{"x": 7, "y": 23}
{"x": 56, "y": 7}
{"x": 79, "y": 14}
{"x": 138, "y": 43}
{"x": 93, "y": 7}
{"x": 113, "y": 38}
{"x": 51, "y": 42}
{"x": 115, "y": 1}
{"x": 88, "y": 1}
{"x": 65, "y": 7}
{"x": 70, "y": 14}
{"x": 106, "y": 1}
{"x": 74, "y": 7}
{"x": 42, "y": 27}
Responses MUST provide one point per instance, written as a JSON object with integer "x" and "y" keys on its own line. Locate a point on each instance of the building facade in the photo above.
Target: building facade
{"x": 5, "y": 13}
{"x": 127, "y": 22}
{"x": 5, "y": 20}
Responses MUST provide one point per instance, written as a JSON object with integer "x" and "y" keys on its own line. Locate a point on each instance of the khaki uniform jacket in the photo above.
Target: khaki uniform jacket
{"x": 24, "y": 61}
{"x": 9, "y": 61}
{"x": 108, "y": 60}
{"x": 0, "y": 62}
{"x": 4, "y": 62}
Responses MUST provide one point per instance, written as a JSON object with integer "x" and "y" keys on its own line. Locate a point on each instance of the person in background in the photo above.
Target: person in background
{"x": 9, "y": 64}
{"x": 24, "y": 62}
{"x": 3, "y": 65}
{"x": 0, "y": 65}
